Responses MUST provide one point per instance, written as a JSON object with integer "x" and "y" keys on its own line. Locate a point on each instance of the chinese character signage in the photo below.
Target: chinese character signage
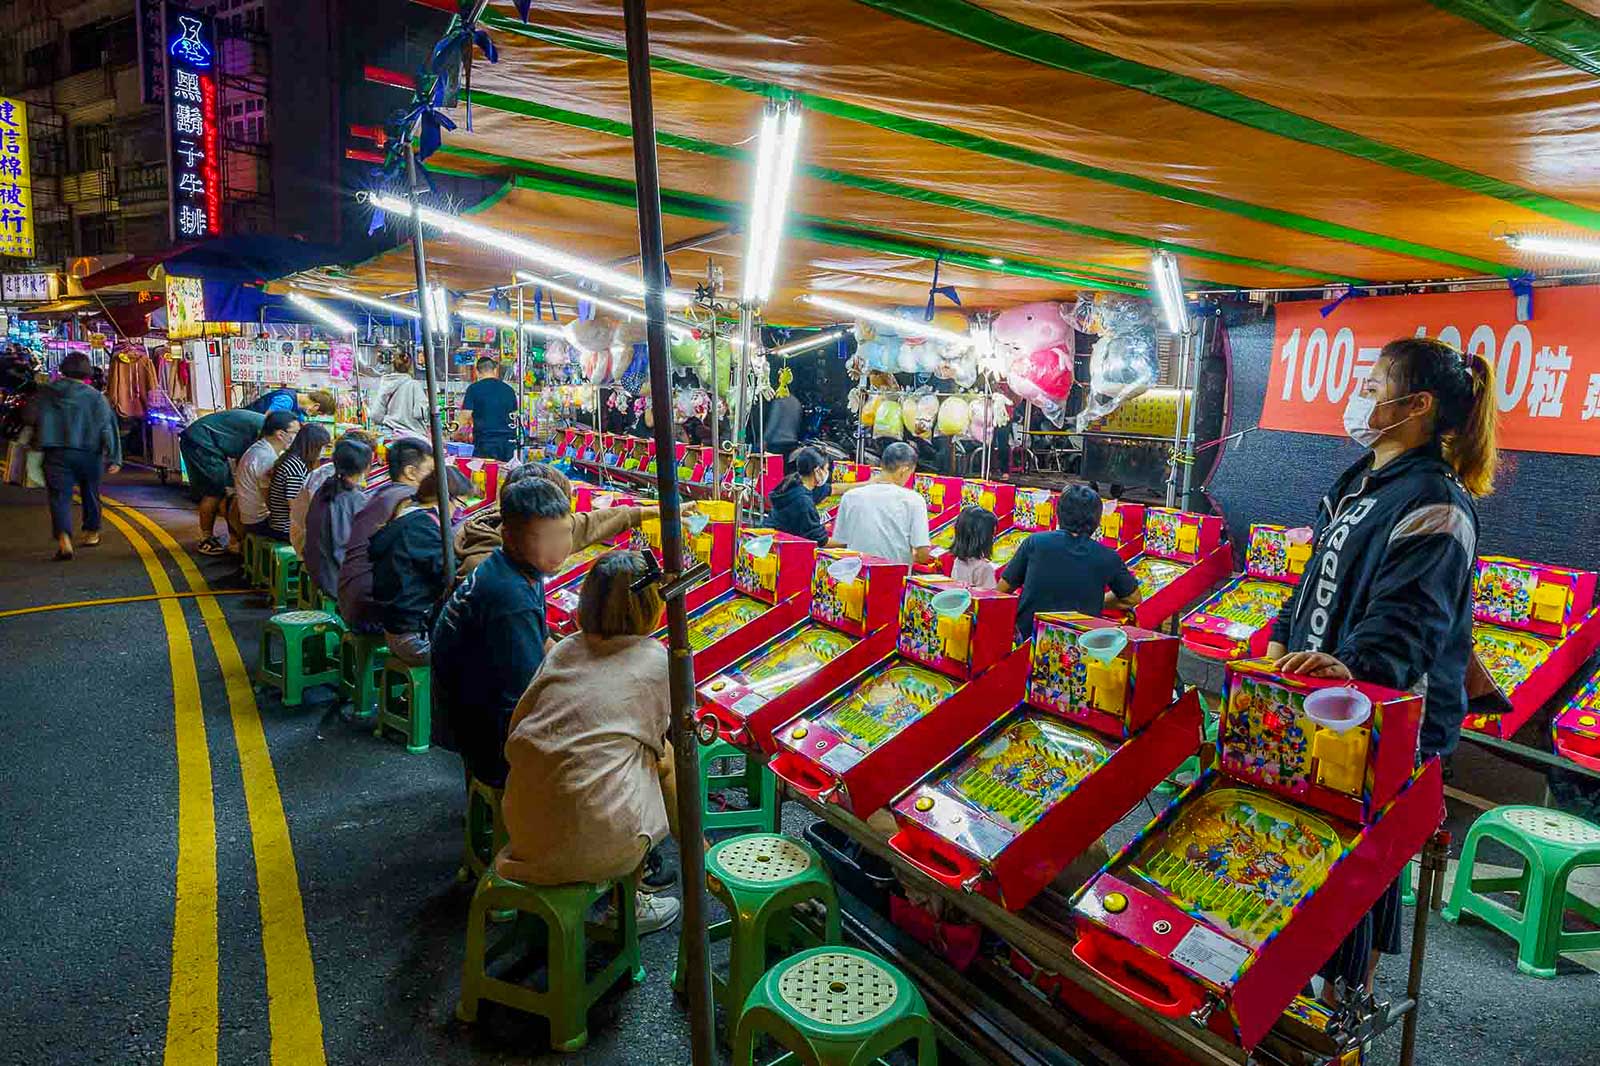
{"x": 1547, "y": 370}
{"x": 17, "y": 288}
{"x": 194, "y": 162}
{"x": 16, "y": 190}
{"x": 186, "y": 308}
{"x": 150, "y": 18}
{"x": 264, "y": 361}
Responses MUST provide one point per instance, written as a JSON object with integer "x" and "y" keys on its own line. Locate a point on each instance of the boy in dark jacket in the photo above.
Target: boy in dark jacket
{"x": 794, "y": 502}
{"x": 77, "y": 431}
{"x": 408, "y": 575}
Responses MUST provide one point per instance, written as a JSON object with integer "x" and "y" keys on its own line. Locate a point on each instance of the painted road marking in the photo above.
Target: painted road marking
{"x": 293, "y": 1011}
{"x": 192, "y": 1011}
{"x": 14, "y": 612}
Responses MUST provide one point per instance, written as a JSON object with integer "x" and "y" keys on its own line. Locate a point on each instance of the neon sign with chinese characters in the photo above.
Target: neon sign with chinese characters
{"x": 16, "y": 190}
{"x": 194, "y": 160}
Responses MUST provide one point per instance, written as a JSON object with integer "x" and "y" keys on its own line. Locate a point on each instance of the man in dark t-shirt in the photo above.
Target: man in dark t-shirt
{"x": 1067, "y": 569}
{"x": 489, "y": 405}
{"x": 209, "y": 445}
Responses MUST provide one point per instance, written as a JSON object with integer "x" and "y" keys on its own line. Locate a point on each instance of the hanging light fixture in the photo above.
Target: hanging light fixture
{"x": 806, "y": 344}
{"x": 1168, "y": 284}
{"x": 439, "y": 310}
{"x": 361, "y": 298}
{"x": 633, "y": 314}
{"x": 1560, "y": 247}
{"x": 320, "y": 312}
{"x": 779, "y": 143}
{"x": 524, "y": 249}
{"x": 489, "y": 318}
{"x": 899, "y": 325}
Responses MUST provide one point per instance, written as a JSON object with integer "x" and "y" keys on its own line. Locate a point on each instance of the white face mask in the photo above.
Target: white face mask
{"x": 1358, "y": 419}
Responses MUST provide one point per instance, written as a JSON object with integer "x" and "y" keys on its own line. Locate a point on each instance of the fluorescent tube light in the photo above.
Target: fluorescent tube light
{"x": 1168, "y": 283}
{"x": 894, "y": 322}
{"x": 316, "y": 310}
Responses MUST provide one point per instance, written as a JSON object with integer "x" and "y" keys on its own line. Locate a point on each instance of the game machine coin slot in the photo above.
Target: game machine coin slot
{"x": 707, "y": 538}
{"x": 1184, "y": 557}
{"x": 1236, "y": 622}
{"x": 997, "y": 497}
{"x": 1122, "y": 528}
{"x": 952, "y": 673}
{"x": 767, "y": 590}
{"x": 841, "y": 473}
{"x": 1576, "y": 728}
{"x": 852, "y": 623}
{"x": 1225, "y": 905}
{"x": 1019, "y": 803}
{"x": 1533, "y": 628}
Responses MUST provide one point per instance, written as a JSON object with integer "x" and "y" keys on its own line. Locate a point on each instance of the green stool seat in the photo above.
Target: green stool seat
{"x": 1552, "y": 844}
{"x": 759, "y": 878}
{"x": 405, "y": 703}
{"x": 761, "y": 810}
{"x": 254, "y": 572}
{"x": 361, "y": 659}
{"x": 835, "y": 1006}
{"x": 299, "y": 650}
{"x": 563, "y": 912}
{"x": 486, "y": 829}
{"x": 307, "y": 596}
{"x": 282, "y": 572}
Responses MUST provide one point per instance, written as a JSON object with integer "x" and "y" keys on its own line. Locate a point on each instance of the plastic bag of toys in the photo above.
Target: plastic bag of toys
{"x": 955, "y": 415}
{"x": 1124, "y": 362}
{"x": 889, "y": 419}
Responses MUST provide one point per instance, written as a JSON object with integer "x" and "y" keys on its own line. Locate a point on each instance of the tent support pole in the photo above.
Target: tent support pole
{"x": 430, "y": 349}
{"x": 696, "y": 975}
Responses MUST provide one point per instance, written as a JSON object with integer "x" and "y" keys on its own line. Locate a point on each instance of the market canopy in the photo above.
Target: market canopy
{"x": 1043, "y": 148}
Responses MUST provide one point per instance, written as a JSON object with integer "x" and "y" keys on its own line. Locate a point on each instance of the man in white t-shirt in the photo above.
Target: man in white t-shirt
{"x": 250, "y": 477}
{"x": 886, "y": 518}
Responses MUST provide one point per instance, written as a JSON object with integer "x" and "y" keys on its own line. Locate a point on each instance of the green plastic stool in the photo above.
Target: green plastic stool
{"x": 486, "y": 829}
{"x": 759, "y": 878}
{"x": 1552, "y": 844}
{"x": 835, "y": 1006}
{"x": 307, "y": 596}
{"x": 405, "y": 703}
{"x": 1408, "y": 891}
{"x": 282, "y": 572}
{"x": 250, "y": 560}
{"x": 361, "y": 659}
{"x": 757, "y": 781}
{"x": 1189, "y": 769}
{"x": 563, "y": 910}
{"x": 310, "y": 653}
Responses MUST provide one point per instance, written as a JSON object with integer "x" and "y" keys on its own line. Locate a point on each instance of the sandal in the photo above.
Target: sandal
{"x": 86, "y": 542}
{"x": 211, "y": 546}
{"x": 63, "y": 557}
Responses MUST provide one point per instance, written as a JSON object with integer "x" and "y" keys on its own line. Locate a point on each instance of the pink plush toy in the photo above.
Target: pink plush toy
{"x": 1035, "y": 344}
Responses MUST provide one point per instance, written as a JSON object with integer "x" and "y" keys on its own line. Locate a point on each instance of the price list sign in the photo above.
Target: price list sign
{"x": 194, "y": 163}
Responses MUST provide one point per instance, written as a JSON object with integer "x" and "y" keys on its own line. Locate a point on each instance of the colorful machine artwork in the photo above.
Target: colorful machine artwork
{"x": 1533, "y": 627}
{"x": 1236, "y": 622}
{"x": 1576, "y": 728}
{"x": 1183, "y": 558}
{"x": 1097, "y": 730}
{"x": 1240, "y": 890}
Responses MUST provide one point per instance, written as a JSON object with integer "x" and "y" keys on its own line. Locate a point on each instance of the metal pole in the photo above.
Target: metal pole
{"x": 1177, "y": 421}
{"x": 523, "y": 422}
{"x": 429, "y": 349}
{"x": 1430, "y": 883}
{"x": 696, "y": 974}
{"x": 1196, "y": 349}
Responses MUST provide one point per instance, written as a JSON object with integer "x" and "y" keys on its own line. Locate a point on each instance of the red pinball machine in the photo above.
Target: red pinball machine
{"x": 1222, "y": 909}
{"x": 852, "y": 623}
{"x": 1019, "y": 802}
{"x": 1184, "y": 557}
{"x": 952, "y": 673}
{"x": 1236, "y": 622}
{"x": 1122, "y": 528}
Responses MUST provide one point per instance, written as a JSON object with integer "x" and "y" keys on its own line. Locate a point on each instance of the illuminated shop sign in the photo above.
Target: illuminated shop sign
{"x": 194, "y": 160}
{"x": 16, "y": 189}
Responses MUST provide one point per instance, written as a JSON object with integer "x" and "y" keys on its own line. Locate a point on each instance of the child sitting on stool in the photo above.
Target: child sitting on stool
{"x": 972, "y": 547}
{"x": 590, "y": 789}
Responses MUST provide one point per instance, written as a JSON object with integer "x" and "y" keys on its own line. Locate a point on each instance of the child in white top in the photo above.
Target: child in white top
{"x": 974, "y": 543}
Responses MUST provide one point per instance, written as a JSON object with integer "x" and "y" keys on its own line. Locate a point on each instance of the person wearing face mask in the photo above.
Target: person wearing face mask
{"x": 794, "y": 502}
{"x": 1387, "y": 593}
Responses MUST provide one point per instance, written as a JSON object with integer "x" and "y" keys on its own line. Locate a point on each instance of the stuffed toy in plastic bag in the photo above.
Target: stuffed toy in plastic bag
{"x": 955, "y": 414}
{"x": 921, "y": 412}
{"x": 1035, "y": 344}
{"x": 987, "y": 415}
{"x": 1124, "y": 363}
{"x": 889, "y": 420}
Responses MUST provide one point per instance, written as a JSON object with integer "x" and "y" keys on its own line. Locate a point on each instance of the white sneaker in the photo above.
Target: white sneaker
{"x": 655, "y": 911}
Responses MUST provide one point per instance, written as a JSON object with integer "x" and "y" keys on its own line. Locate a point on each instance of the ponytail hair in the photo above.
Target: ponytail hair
{"x": 803, "y": 462}
{"x": 1465, "y": 415}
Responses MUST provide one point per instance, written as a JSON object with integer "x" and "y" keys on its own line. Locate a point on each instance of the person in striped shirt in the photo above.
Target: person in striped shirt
{"x": 289, "y": 473}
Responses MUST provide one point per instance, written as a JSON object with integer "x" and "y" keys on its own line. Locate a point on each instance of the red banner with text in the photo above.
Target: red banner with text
{"x": 1547, "y": 370}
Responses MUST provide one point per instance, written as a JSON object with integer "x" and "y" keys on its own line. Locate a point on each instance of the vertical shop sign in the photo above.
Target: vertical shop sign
{"x": 16, "y": 188}
{"x": 194, "y": 166}
{"x": 150, "y": 20}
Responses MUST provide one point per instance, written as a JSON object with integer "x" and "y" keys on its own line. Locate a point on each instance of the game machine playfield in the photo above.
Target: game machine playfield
{"x": 767, "y": 590}
{"x": 485, "y": 476}
{"x": 1236, "y": 623}
{"x": 1016, "y": 805}
{"x": 1122, "y": 528}
{"x": 855, "y": 608}
{"x": 1576, "y": 728}
{"x": 1225, "y": 905}
{"x": 997, "y": 497}
{"x": 1184, "y": 558}
{"x": 1533, "y": 628}
{"x": 952, "y": 673}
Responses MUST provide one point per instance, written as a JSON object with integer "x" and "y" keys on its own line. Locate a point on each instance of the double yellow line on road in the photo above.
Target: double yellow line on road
{"x": 193, "y": 1015}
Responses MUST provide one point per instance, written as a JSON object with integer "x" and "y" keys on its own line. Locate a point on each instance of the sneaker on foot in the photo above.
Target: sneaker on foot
{"x": 654, "y": 913}
{"x": 90, "y": 540}
{"x": 210, "y": 546}
{"x": 657, "y": 875}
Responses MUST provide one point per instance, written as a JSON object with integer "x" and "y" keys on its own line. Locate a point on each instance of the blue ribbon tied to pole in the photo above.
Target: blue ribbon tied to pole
{"x": 1350, "y": 293}
{"x": 935, "y": 290}
{"x": 1522, "y": 290}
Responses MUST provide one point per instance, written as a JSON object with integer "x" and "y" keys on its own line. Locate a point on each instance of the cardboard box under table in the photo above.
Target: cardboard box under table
{"x": 1017, "y": 804}
{"x": 1224, "y": 907}
{"x": 1236, "y": 622}
{"x": 852, "y": 623}
{"x": 952, "y": 673}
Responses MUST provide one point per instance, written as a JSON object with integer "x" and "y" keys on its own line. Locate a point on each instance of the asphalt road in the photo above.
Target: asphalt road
{"x": 91, "y": 779}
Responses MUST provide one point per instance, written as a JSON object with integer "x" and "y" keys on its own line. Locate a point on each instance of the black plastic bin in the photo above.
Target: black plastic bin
{"x": 856, "y": 871}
